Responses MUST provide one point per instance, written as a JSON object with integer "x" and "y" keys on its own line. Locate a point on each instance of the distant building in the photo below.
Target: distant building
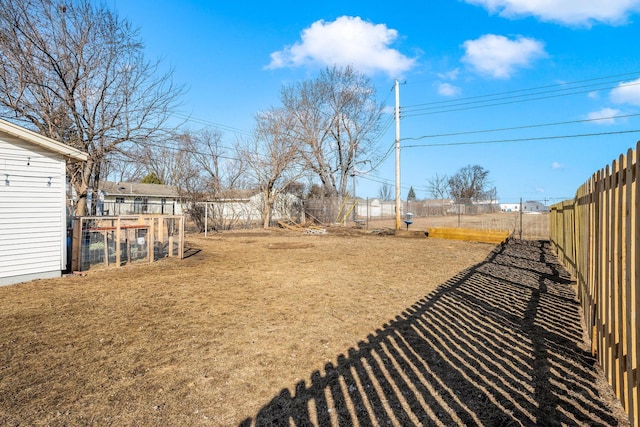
{"x": 377, "y": 209}
{"x": 134, "y": 198}
{"x": 530, "y": 206}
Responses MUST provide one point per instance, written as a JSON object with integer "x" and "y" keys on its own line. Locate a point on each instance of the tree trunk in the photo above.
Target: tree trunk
{"x": 268, "y": 206}
{"x": 81, "y": 186}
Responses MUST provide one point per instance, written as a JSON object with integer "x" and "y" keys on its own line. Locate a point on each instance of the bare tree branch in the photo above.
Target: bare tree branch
{"x": 272, "y": 159}
{"x": 333, "y": 120}
{"x": 76, "y": 73}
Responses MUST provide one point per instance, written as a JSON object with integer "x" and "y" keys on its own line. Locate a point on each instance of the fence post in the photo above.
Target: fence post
{"x": 150, "y": 238}
{"x": 181, "y": 245}
{"x": 520, "y": 218}
{"x": 628, "y": 290}
{"x": 118, "y": 244}
{"x": 170, "y": 233}
{"x": 76, "y": 245}
{"x": 635, "y": 282}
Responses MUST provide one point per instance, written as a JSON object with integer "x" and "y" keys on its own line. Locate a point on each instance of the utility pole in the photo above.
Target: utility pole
{"x": 397, "y": 87}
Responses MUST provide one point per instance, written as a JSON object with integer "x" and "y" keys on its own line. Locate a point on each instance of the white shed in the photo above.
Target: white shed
{"x": 32, "y": 204}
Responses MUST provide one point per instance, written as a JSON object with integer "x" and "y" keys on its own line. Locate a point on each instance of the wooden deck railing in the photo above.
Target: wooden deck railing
{"x": 596, "y": 237}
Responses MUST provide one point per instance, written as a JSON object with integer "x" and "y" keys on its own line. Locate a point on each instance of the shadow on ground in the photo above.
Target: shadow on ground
{"x": 499, "y": 344}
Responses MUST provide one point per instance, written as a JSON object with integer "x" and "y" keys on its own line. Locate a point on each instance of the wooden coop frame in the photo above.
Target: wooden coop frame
{"x": 119, "y": 240}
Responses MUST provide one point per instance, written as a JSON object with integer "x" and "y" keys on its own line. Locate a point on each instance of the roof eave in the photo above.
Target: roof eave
{"x": 42, "y": 141}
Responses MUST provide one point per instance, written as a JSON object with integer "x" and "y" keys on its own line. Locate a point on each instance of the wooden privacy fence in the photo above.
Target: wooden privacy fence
{"x": 119, "y": 240}
{"x": 596, "y": 238}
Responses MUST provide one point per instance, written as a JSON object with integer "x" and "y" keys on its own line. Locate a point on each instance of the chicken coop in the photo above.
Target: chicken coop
{"x": 120, "y": 240}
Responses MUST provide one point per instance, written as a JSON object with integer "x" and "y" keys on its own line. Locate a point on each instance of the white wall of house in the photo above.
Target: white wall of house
{"x": 32, "y": 213}
{"x": 250, "y": 209}
{"x": 527, "y": 207}
{"x": 136, "y": 205}
{"x": 32, "y": 206}
{"x": 375, "y": 208}
{"x": 510, "y": 207}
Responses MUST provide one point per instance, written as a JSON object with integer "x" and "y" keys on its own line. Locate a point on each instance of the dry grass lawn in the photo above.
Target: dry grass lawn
{"x": 209, "y": 339}
{"x": 229, "y": 334}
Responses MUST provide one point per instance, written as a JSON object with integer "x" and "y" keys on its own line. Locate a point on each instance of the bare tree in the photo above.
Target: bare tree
{"x": 438, "y": 186}
{"x": 334, "y": 119}
{"x": 221, "y": 168}
{"x": 124, "y": 166}
{"x": 75, "y": 72}
{"x": 272, "y": 159}
{"x": 385, "y": 192}
{"x": 200, "y": 167}
{"x": 166, "y": 161}
{"x": 469, "y": 184}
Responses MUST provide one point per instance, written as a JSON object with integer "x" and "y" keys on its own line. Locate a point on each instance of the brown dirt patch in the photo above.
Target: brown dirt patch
{"x": 339, "y": 321}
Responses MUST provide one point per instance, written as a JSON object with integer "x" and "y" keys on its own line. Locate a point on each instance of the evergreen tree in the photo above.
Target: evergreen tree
{"x": 412, "y": 195}
{"x": 152, "y": 178}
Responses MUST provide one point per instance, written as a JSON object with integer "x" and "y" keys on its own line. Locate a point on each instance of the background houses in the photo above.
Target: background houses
{"x": 134, "y": 198}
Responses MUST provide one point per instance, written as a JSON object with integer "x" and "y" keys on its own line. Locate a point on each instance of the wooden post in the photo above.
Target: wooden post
{"x": 181, "y": 245}
{"x": 614, "y": 280}
{"x": 106, "y": 248}
{"x": 161, "y": 229}
{"x": 629, "y": 288}
{"x": 150, "y": 238}
{"x": 170, "y": 232}
{"x": 76, "y": 245}
{"x": 635, "y": 313}
{"x": 607, "y": 282}
{"x": 128, "y": 240}
{"x": 118, "y": 248}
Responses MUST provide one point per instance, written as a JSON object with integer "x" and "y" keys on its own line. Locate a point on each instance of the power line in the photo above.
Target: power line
{"x": 382, "y": 159}
{"x": 188, "y": 150}
{"x": 521, "y": 127}
{"x": 500, "y": 94}
{"x": 190, "y": 118}
{"x": 466, "y": 107}
{"x": 387, "y": 182}
{"x": 497, "y": 141}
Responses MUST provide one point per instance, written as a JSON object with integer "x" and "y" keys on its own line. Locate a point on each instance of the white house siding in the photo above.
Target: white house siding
{"x": 32, "y": 212}
{"x": 377, "y": 208}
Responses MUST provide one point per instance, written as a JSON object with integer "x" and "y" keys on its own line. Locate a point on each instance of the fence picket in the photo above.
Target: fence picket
{"x": 630, "y": 295}
{"x": 635, "y": 316}
{"x": 597, "y": 239}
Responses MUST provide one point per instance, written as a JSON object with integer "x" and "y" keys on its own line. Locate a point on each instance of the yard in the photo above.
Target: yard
{"x": 264, "y": 327}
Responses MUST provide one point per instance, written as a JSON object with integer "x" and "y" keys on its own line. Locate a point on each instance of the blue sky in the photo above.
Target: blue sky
{"x": 467, "y": 68}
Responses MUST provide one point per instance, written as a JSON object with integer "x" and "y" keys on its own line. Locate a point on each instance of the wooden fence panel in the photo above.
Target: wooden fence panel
{"x": 596, "y": 237}
{"x": 630, "y": 336}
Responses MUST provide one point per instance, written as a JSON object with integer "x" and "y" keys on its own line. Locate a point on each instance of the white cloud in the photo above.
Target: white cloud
{"x": 566, "y": 12}
{"x": 605, "y": 116}
{"x": 499, "y": 57}
{"x": 447, "y": 89}
{"x": 626, "y": 93}
{"x": 450, "y": 75}
{"x": 347, "y": 41}
{"x": 557, "y": 165}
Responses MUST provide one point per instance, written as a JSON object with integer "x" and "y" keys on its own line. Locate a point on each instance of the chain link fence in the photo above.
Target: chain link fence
{"x": 370, "y": 214}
